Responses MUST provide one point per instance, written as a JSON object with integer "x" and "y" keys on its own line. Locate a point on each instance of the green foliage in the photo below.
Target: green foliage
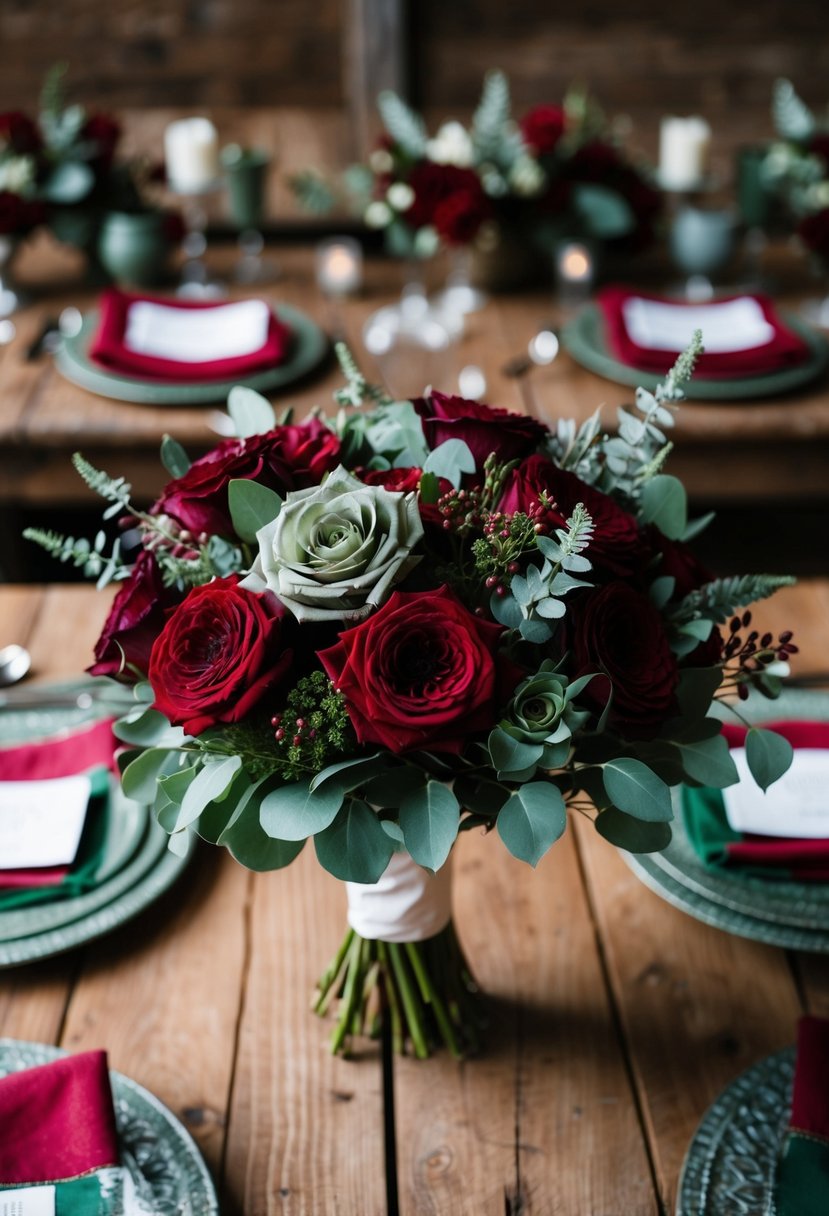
{"x": 173, "y": 457}
{"x": 252, "y": 413}
{"x": 768, "y": 755}
{"x": 83, "y": 555}
{"x": 531, "y": 820}
{"x": 665, "y": 504}
{"x": 602, "y": 211}
{"x": 295, "y": 812}
{"x": 354, "y": 847}
{"x": 429, "y": 819}
{"x": 635, "y": 835}
{"x": 116, "y": 490}
{"x": 720, "y": 599}
{"x": 792, "y": 117}
{"x": 450, "y": 460}
{"x": 709, "y": 762}
{"x": 491, "y": 118}
{"x": 406, "y": 128}
{"x": 313, "y": 192}
{"x": 252, "y": 506}
{"x": 634, "y": 788}
{"x": 357, "y": 390}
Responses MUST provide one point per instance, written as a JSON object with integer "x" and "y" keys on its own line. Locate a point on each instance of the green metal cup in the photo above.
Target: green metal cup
{"x": 753, "y": 197}
{"x": 246, "y": 171}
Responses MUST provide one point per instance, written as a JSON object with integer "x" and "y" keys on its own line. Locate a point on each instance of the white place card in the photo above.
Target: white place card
{"x": 41, "y": 821}
{"x": 727, "y": 327}
{"x": 28, "y": 1201}
{"x": 796, "y": 805}
{"x": 196, "y": 335}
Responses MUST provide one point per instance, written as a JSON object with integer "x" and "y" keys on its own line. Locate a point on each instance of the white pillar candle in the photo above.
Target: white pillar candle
{"x": 684, "y": 144}
{"x": 191, "y": 154}
{"x": 339, "y": 266}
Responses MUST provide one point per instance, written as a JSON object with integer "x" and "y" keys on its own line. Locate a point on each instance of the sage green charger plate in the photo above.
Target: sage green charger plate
{"x": 585, "y": 340}
{"x": 164, "y": 1171}
{"x": 780, "y": 912}
{"x": 730, "y": 1165}
{"x": 309, "y": 348}
{"x": 145, "y": 871}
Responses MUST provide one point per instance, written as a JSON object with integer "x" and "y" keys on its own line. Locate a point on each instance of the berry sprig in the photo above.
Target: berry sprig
{"x": 749, "y": 658}
{"x": 313, "y": 729}
{"x": 508, "y": 540}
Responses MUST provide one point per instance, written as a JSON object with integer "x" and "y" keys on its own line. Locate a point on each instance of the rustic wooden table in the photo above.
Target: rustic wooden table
{"x": 615, "y": 1020}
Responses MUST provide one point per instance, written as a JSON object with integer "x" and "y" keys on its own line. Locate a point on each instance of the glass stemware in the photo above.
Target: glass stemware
{"x": 246, "y": 173}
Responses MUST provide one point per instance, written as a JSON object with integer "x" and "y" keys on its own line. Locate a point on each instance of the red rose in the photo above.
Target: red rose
{"x": 103, "y": 132}
{"x": 135, "y": 620}
{"x": 617, "y": 631}
{"x": 814, "y": 232}
{"x": 484, "y": 428}
{"x": 542, "y": 128}
{"x": 434, "y": 185}
{"x": 616, "y": 547}
{"x": 288, "y": 458}
{"x": 20, "y": 133}
{"x": 220, "y": 652}
{"x": 406, "y": 481}
{"x": 18, "y": 215}
{"x": 423, "y": 672}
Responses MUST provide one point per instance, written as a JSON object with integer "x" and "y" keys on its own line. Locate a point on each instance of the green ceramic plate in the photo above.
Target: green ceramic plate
{"x": 165, "y": 1173}
{"x": 138, "y": 880}
{"x": 782, "y": 913}
{"x": 584, "y": 339}
{"x": 72, "y": 360}
{"x": 730, "y": 1164}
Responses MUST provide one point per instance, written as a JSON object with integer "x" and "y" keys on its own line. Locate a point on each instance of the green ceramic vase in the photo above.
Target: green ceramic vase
{"x": 134, "y": 247}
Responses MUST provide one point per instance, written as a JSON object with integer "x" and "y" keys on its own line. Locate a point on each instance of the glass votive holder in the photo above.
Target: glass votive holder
{"x": 339, "y": 266}
{"x": 575, "y": 274}
{"x": 413, "y": 346}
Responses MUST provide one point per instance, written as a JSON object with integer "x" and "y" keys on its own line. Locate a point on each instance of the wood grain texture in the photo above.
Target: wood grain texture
{"x": 496, "y": 1134}
{"x": 305, "y": 1135}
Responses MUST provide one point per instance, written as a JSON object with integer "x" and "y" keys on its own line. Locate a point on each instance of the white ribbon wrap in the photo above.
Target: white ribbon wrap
{"x": 407, "y": 904}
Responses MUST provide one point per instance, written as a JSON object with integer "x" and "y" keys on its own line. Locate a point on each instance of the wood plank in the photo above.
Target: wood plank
{"x": 503, "y": 1132}
{"x": 306, "y": 1130}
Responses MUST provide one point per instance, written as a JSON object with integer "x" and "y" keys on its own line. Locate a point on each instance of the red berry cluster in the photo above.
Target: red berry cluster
{"x": 294, "y": 739}
{"x": 461, "y": 510}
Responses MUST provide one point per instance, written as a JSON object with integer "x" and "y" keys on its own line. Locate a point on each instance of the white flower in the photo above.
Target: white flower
{"x": 335, "y": 551}
{"x": 400, "y": 196}
{"x": 377, "y": 215}
{"x": 17, "y": 173}
{"x": 526, "y": 177}
{"x": 451, "y": 146}
{"x": 381, "y": 161}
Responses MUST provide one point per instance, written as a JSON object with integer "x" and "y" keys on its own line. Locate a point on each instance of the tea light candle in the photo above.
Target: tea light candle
{"x": 574, "y": 264}
{"x": 339, "y": 266}
{"x": 684, "y": 144}
{"x": 191, "y": 154}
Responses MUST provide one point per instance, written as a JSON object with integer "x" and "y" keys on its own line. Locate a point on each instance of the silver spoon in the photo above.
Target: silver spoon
{"x": 15, "y": 662}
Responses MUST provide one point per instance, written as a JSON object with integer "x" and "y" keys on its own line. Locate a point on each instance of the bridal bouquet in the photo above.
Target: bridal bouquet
{"x": 796, "y": 167}
{"x": 556, "y": 173}
{"x": 415, "y": 619}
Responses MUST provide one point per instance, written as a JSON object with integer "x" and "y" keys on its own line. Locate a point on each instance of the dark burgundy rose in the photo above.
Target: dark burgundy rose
{"x": 18, "y": 215}
{"x": 220, "y": 652}
{"x": 135, "y": 620}
{"x": 434, "y": 185}
{"x": 542, "y": 128}
{"x": 678, "y": 561}
{"x": 20, "y": 133}
{"x": 483, "y": 427}
{"x": 102, "y": 132}
{"x": 617, "y": 546}
{"x": 422, "y": 672}
{"x": 814, "y": 232}
{"x": 459, "y": 217}
{"x": 405, "y": 481}
{"x": 287, "y": 458}
{"x": 618, "y": 631}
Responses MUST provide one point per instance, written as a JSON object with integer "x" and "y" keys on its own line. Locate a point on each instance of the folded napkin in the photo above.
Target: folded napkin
{"x": 802, "y": 1179}
{"x": 186, "y": 340}
{"x": 87, "y": 750}
{"x": 720, "y": 844}
{"x": 58, "y": 1135}
{"x": 743, "y": 335}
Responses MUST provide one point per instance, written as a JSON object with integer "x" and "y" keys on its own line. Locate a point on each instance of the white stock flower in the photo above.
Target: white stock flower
{"x": 526, "y": 177}
{"x": 451, "y": 146}
{"x": 335, "y": 551}
{"x": 400, "y": 196}
{"x": 17, "y": 174}
{"x": 377, "y": 215}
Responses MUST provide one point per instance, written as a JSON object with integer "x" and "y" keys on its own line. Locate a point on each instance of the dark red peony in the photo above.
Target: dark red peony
{"x": 287, "y": 458}
{"x": 814, "y": 232}
{"x": 617, "y": 546}
{"x": 20, "y": 133}
{"x": 542, "y": 128}
{"x": 423, "y": 672}
{"x": 135, "y": 620}
{"x": 484, "y": 428}
{"x": 617, "y": 631}
{"x": 450, "y": 198}
{"x": 219, "y": 654}
{"x": 102, "y": 132}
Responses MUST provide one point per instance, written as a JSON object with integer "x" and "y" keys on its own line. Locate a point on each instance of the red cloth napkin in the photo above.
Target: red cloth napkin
{"x": 785, "y": 349}
{"x": 62, "y": 756}
{"x": 57, "y": 1121}
{"x": 806, "y": 859}
{"x": 108, "y": 346}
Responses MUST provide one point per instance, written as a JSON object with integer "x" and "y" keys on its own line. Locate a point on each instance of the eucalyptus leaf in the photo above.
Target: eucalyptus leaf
{"x": 450, "y": 460}
{"x": 173, "y": 457}
{"x": 248, "y": 843}
{"x": 768, "y": 755}
{"x": 709, "y": 761}
{"x": 252, "y": 506}
{"x": 634, "y": 835}
{"x": 348, "y": 774}
{"x": 69, "y": 182}
{"x": 509, "y": 755}
{"x": 429, "y": 818}
{"x": 295, "y": 812}
{"x": 636, "y": 789}
{"x": 211, "y": 784}
{"x": 354, "y": 847}
{"x": 532, "y": 820}
{"x": 665, "y": 504}
{"x": 604, "y": 211}
{"x": 697, "y": 686}
{"x": 252, "y": 413}
{"x": 388, "y": 789}
{"x": 141, "y": 775}
{"x": 147, "y": 728}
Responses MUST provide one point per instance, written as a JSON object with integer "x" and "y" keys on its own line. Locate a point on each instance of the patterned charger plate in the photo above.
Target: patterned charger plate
{"x": 730, "y": 1165}
{"x": 167, "y": 1174}
{"x": 310, "y": 346}
{"x": 794, "y": 915}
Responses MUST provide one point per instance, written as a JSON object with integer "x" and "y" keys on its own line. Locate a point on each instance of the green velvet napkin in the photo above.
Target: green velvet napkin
{"x": 802, "y": 1179}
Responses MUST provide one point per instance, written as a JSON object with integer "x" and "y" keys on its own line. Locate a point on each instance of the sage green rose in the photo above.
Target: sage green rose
{"x": 335, "y": 551}
{"x": 541, "y": 716}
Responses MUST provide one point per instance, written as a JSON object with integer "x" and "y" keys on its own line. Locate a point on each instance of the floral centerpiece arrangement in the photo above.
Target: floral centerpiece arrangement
{"x": 558, "y": 172}
{"x": 415, "y": 619}
{"x": 796, "y": 167}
